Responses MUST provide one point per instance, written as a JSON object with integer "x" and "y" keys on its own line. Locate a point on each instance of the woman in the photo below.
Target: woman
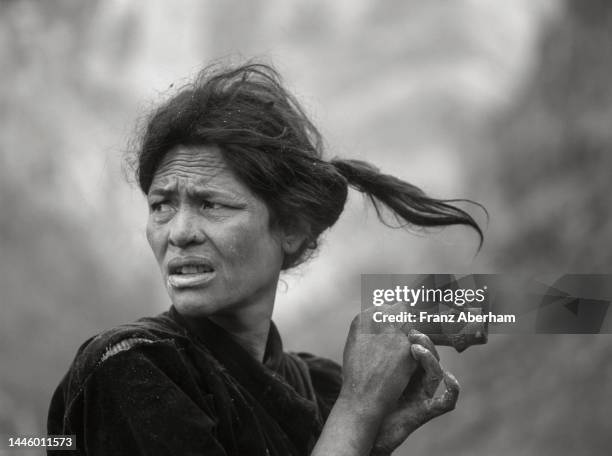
{"x": 238, "y": 191}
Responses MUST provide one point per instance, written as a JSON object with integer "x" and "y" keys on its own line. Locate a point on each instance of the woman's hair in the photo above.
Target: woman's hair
{"x": 270, "y": 144}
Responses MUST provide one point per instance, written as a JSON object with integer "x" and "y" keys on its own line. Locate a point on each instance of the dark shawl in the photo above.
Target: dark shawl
{"x": 166, "y": 385}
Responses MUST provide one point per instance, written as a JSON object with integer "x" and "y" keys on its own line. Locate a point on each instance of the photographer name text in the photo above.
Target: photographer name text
{"x": 426, "y": 317}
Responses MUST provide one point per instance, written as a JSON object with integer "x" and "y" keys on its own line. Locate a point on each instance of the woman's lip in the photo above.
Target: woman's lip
{"x": 190, "y": 280}
{"x": 177, "y": 263}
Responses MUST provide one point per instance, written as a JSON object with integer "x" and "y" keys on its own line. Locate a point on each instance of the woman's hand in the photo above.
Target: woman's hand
{"x": 377, "y": 363}
{"x": 417, "y": 405}
{"x": 377, "y": 366}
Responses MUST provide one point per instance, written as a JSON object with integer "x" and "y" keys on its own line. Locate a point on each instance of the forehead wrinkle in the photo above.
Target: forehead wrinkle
{"x": 205, "y": 163}
{"x": 171, "y": 178}
{"x": 188, "y": 169}
{"x": 194, "y": 187}
{"x": 197, "y": 172}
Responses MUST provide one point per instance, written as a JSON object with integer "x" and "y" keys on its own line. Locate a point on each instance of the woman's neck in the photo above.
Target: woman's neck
{"x": 252, "y": 336}
{"x": 248, "y": 323}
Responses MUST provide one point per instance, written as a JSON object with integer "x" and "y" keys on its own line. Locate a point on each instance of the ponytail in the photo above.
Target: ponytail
{"x": 408, "y": 203}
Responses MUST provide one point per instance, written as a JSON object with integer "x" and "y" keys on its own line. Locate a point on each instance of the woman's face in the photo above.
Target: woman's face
{"x": 210, "y": 235}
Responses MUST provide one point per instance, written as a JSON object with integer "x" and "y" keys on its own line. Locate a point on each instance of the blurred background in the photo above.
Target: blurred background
{"x": 507, "y": 103}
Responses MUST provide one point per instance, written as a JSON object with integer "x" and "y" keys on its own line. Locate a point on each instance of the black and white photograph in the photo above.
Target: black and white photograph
{"x": 291, "y": 227}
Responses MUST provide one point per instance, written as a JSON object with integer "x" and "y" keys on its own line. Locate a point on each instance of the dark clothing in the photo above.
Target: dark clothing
{"x": 166, "y": 385}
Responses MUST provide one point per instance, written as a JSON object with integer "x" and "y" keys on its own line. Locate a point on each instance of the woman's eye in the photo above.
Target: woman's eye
{"x": 211, "y": 205}
{"x": 160, "y": 206}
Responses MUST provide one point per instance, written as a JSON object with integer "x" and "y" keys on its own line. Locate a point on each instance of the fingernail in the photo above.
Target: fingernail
{"x": 419, "y": 348}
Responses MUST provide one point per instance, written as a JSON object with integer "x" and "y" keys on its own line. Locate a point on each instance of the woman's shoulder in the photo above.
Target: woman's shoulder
{"x": 96, "y": 351}
{"x": 125, "y": 369}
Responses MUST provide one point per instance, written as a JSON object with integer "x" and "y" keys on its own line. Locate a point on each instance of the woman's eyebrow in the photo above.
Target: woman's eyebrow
{"x": 200, "y": 192}
{"x": 162, "y": 191}
{"x": 196, "y": 191}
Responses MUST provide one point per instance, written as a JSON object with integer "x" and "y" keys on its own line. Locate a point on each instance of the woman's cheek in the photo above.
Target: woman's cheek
{"x": 240, "y": 245}
{"x": 151, "y": 237}
{"x": 155, "y": 237}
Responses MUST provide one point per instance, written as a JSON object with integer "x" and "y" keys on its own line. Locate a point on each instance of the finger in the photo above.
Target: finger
{"x": 433, "y": 371}
{"x": 447, "y": 402}
{"x": 417, "y": 337}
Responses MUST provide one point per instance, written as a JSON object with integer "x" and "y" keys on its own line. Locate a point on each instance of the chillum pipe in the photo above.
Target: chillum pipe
{"x": 453, "y": 334}
{"x": 459, "y": 341}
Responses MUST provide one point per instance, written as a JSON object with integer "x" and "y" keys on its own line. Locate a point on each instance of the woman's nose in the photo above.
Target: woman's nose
{"x": 186, "y": 229}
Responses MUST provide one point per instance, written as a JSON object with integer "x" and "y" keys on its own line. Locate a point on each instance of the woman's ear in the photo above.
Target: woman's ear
{"x": 291, "y": 242}
{"x": 294, "y": 236}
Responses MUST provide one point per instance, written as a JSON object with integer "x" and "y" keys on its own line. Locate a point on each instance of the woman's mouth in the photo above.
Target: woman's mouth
{"x": 185, "y": 274}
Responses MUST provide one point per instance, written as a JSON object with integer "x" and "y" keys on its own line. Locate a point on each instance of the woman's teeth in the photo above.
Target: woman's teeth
{"x": 192, "y": 270}
{"x": 190, "y": 276}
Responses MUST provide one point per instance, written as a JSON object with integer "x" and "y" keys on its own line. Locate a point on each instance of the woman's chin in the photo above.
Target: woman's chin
{"x": 192, "y": 303}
